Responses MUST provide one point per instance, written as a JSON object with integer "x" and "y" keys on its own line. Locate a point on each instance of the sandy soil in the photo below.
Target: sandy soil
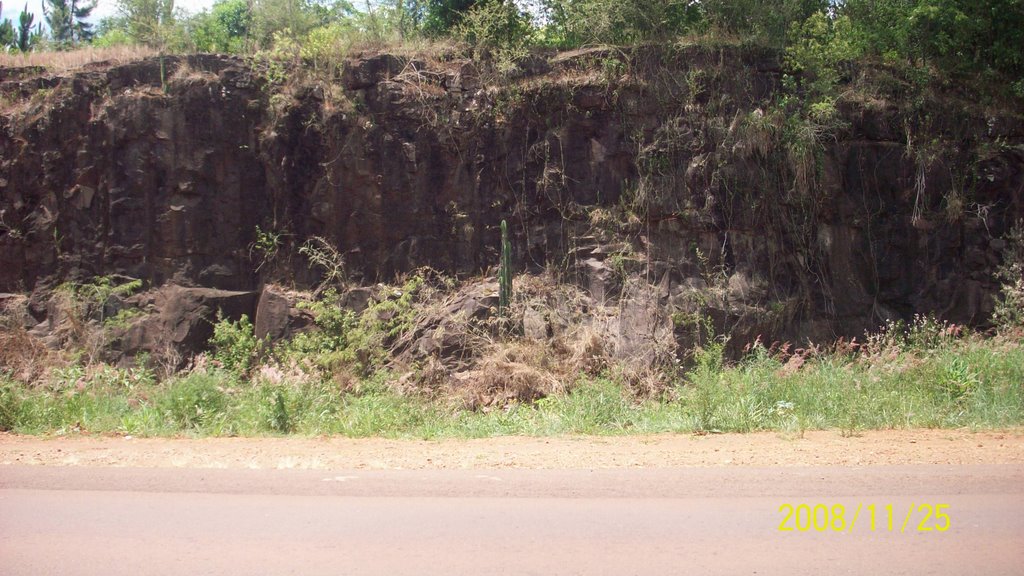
{"x": 663, "y": 451}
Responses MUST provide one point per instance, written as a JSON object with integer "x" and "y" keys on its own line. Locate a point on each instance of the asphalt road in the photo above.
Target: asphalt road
{"x": 109, "y": 521}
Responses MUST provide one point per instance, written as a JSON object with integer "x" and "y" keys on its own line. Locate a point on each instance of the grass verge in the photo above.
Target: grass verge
{"x": 970, "y": 383}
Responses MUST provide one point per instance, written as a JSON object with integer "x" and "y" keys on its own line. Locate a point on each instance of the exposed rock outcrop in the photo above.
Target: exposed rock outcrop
{"x": 675, "y": 171}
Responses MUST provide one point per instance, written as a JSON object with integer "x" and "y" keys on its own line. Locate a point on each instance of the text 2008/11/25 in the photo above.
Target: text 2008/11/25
{"x": 872, "y": 517}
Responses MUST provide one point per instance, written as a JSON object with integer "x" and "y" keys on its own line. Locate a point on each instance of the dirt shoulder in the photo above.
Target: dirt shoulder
{"x": 876, "y": 448}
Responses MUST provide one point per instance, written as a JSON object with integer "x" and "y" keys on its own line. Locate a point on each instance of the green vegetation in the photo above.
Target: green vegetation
{"x": 235, "y": 345}
{"x": 336, "y": 379}
{"x": 1009, "y": 312}
{"x": 932, "y": 38}
{"x": 90, "y": 299}
{"x": 917, "y": 377}
{"x": 68, "y": 21}
{"x": 21, "y": 37}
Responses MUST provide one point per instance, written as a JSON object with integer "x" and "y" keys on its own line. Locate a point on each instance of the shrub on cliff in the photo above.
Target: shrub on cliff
{"x": 1009, "y": 311}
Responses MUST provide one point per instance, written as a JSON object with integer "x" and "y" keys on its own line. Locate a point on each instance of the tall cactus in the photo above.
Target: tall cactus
{"x": 505, "y": 272}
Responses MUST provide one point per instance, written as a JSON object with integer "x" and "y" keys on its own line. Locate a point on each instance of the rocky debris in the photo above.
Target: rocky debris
{"x": 536, "y": 325}
{"x": 600, "y": 280}
{"x": 18, "y": 72}
{"x": 361, "y": 73}
{"x": 464, "y": 81}
{"x": 14, "y": 311}
{"x": 453, "y": 332}
{"x": 22, "y": 356}
{"x": 643, "y": 332}
{"x": 516, "y": 373}
{"x": 359, "y": 298}
{"x": 583, "y": 58}
{"x": 554, "y": 333}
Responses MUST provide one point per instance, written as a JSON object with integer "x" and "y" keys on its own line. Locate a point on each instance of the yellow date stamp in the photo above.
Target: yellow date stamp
{"x": 865, "y": 517}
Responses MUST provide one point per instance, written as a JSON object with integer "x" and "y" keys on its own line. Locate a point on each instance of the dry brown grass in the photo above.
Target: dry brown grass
{"x": 23, "y": 356}
{"x": 186, "y": 74}
{"x": 435, "y": 52}
{"x": 511, "y": 372}
{"x": 505, "y": 367}
{"x": 62, "y": 61}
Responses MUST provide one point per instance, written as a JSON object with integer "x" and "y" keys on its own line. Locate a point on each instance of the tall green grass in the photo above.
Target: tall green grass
{"x": 972, "y": 383}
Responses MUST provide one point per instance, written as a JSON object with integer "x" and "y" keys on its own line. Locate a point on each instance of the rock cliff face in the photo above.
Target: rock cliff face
{"x": 678, "y": 167}
{"x": 105, "y": 173}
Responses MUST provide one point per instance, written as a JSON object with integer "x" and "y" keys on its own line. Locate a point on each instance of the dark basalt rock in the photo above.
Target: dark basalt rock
{"x": 112, "y": 173}
{"x": 179, "y": 320}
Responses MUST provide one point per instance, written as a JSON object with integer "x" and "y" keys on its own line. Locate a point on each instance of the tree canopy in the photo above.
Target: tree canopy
{"x": 68, "y": 21}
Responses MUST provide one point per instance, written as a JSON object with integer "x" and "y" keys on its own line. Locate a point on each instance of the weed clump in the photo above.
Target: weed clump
{"x": 10, "y": 406}
{"x": 196, "y": 401}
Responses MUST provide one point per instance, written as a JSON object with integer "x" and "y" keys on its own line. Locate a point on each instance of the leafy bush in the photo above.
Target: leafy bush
{"x": 325, "y": 47}
{"x": 767, "y": 20}
{"x": 356, "y": 342}
{"x": 378, "y": 326}
{"x": 114, "y": 37}
{"x": 273, "y": 411}
{"x": 815, "y": 48}
{"x": 277, "y": 61}
{"x": 1009, "y": 311}
{"x": 333, "y": 322}
{"x": 498, "y": 29}
{"x": 235, "y": 345}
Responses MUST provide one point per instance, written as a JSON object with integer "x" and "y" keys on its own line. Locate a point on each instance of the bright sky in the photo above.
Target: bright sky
{"x": 103, "y": 9}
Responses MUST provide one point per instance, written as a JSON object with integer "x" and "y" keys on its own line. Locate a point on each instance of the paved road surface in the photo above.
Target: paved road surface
{"x": 108, "y": 521}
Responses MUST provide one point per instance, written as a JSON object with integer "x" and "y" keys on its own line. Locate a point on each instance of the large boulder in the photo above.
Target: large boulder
{"x": 277, "y": 316}
{"x": 181, "y": 319}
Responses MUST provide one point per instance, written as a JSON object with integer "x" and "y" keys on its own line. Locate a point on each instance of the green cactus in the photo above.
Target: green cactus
{"x": 505, "y": 272}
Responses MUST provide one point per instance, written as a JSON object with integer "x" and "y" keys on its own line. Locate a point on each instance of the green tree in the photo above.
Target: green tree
{"x": 294, "y": 19}
{"x": 68, "y": 21}
{"x": 112, "y": 31}
{"x": 496, "y": 26}
{"x": 226, "y": 27}
{"x": 572, "y": 23}
{"x": 26, "y": 38}
{"x": 409, "y": 16}
{"x": 7, "y": 34}
{"x": 149, "y": 22}
{"x": 390, "y": 19}
{"x": 955, "y": 35}
{"x": 768, "y": 21}
{"x": 441, "y": 16}
{"x": 964, "y": 35}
